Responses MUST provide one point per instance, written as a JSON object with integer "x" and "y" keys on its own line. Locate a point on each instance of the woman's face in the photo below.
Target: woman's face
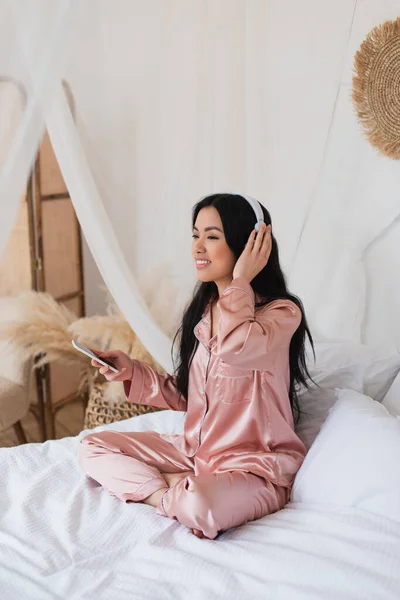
{"x": 213, "y": 258}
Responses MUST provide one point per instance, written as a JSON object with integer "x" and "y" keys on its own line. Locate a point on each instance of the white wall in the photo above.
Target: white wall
{"x": 349, "y": 291}
{"x": 303, "y": 54}
{"x": 300, "y": 119}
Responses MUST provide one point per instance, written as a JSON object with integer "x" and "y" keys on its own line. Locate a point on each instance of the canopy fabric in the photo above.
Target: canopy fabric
{"x": 174, "y": 100}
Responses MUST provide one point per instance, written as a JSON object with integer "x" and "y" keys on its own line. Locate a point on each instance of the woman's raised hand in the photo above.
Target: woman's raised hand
{"x": 122, "y": 361}
{"x": 255, "y": 254}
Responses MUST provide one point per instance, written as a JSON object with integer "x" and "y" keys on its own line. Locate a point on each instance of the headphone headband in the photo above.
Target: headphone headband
{"x": 257, "y": 209}
{"x": 255, "y": 205}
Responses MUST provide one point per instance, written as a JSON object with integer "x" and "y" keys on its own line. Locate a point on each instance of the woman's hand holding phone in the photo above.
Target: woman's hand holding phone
{"x": 121, "y": 360}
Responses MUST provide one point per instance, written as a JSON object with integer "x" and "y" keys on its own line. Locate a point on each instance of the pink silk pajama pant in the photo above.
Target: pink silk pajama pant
{"x": 131, "y": 466}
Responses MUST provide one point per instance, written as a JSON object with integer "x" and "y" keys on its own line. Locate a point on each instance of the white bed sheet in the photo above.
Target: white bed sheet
{"x": 63, "y": 537}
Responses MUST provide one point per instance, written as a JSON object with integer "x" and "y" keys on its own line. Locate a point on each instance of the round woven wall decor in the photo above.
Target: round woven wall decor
{"x": 376, "y": 87}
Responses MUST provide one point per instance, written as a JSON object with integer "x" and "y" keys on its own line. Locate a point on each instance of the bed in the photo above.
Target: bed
{"x": 63, "y": 537}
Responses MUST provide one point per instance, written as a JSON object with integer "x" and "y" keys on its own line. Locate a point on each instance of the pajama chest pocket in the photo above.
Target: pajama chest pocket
{"x": 232, "y": 385}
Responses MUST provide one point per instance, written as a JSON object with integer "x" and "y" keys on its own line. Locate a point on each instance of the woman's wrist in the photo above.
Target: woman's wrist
{"x": 242, "y": 276}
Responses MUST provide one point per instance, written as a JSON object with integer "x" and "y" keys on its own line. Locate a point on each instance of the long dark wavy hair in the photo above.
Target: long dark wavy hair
{"x": 238, "y": 220}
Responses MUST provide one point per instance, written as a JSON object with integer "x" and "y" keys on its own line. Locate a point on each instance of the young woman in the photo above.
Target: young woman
{"x": 241, "y": 358}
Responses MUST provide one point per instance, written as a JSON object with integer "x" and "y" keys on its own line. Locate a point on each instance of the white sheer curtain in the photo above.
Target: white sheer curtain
{"x": 176, "y": 99}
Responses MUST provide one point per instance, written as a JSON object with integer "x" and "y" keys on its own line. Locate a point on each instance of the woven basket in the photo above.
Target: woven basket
{"x": 101, "y": 412}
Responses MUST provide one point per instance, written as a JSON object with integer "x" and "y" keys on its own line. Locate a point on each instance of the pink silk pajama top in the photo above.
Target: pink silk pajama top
{"x": 238, "y": 410}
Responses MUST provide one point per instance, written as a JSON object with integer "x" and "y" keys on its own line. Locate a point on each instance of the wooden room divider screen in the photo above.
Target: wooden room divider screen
{"x": 44, "y": 253}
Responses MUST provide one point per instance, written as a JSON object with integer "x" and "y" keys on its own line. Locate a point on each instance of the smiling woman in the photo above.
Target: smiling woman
{"x": 241, "y": 356}
{"x": 224, "y": 234}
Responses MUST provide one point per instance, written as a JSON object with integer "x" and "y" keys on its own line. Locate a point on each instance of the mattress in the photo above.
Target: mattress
{"x": 63, "y": 537}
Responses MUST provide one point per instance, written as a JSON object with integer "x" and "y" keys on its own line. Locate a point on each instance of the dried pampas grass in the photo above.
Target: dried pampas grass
{"x": 41, "y": 327}
{"x": 45, "y": 328}
{"x": 376, "y": 87}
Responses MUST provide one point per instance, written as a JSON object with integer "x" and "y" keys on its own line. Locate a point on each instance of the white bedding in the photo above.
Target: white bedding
{"x": 63, "y": 537}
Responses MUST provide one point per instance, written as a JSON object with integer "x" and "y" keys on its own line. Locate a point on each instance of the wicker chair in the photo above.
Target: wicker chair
{"x": 15, "y": 378}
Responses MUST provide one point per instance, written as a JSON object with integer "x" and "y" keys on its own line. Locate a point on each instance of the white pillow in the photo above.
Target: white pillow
{"x": 365, "y": 369}
{"x": 355, "y": 459}
{"x": 316, "y": 402}
{"x": 379, "y": 364}
{"x": 391, "y": 401}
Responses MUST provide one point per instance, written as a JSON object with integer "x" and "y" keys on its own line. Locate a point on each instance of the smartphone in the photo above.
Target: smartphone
{"x": 91, "y": 354}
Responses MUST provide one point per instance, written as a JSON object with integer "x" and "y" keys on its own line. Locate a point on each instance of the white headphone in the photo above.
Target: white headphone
{"x": 257, "y": 209}
{"x": 255, "y": 205}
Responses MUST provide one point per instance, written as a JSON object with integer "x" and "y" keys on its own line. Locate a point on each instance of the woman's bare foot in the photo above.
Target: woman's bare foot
{"x": 171, "y": 479}
{"x": 154, "y": 499}
{"x": 174, "y": 478}
{"x": 198, "y": 533}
